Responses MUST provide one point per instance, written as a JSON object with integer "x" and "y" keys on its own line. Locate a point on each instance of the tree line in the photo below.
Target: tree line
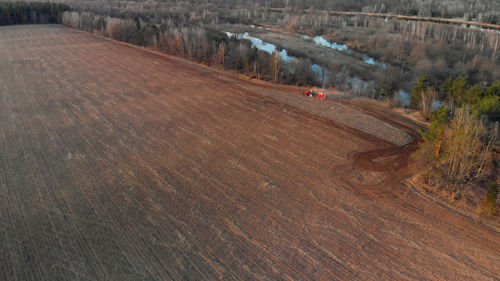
{"x": 483, "y": 10}
{"x": 31, "y": 12}
{"x": 200, "y": 44}
{"x": 486, "y": 11}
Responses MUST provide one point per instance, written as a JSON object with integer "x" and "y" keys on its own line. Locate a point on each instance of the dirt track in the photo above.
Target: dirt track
{"x": 119, "y": 164}
{"x": 401, "y": 17}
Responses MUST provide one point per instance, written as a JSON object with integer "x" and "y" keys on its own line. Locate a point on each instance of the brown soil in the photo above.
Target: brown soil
{"x": 120, "y": 164}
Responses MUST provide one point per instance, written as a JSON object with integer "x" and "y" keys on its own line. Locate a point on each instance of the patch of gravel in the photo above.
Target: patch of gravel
{"x": 344, "y": 115}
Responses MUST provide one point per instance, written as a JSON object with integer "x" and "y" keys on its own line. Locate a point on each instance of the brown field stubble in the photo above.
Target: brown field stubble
{"x": 119, "y": 164}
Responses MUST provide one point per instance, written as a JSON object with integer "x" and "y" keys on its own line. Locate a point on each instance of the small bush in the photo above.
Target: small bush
{"x": 491, "y": 200}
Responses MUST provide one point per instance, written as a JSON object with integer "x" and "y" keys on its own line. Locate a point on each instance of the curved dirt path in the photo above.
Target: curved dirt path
{"x": 367, "y": 159}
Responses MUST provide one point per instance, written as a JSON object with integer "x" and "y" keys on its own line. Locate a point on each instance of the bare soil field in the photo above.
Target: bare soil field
{"x": 120, "y": 164}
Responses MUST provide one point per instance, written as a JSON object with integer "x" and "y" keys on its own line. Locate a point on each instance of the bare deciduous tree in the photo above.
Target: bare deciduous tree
{"x": 428, "y": 99}
{"x": 275, "y": 67}
{"x": 468, "y": 148}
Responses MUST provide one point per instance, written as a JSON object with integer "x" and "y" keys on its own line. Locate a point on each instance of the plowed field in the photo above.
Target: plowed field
{"x": 120, "y": 164}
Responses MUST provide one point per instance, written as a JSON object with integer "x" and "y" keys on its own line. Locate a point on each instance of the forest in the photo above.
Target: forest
{"x": 486, "y": 11}
{"x": 483, "y": 10}
{"x": 31, "y": 13}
